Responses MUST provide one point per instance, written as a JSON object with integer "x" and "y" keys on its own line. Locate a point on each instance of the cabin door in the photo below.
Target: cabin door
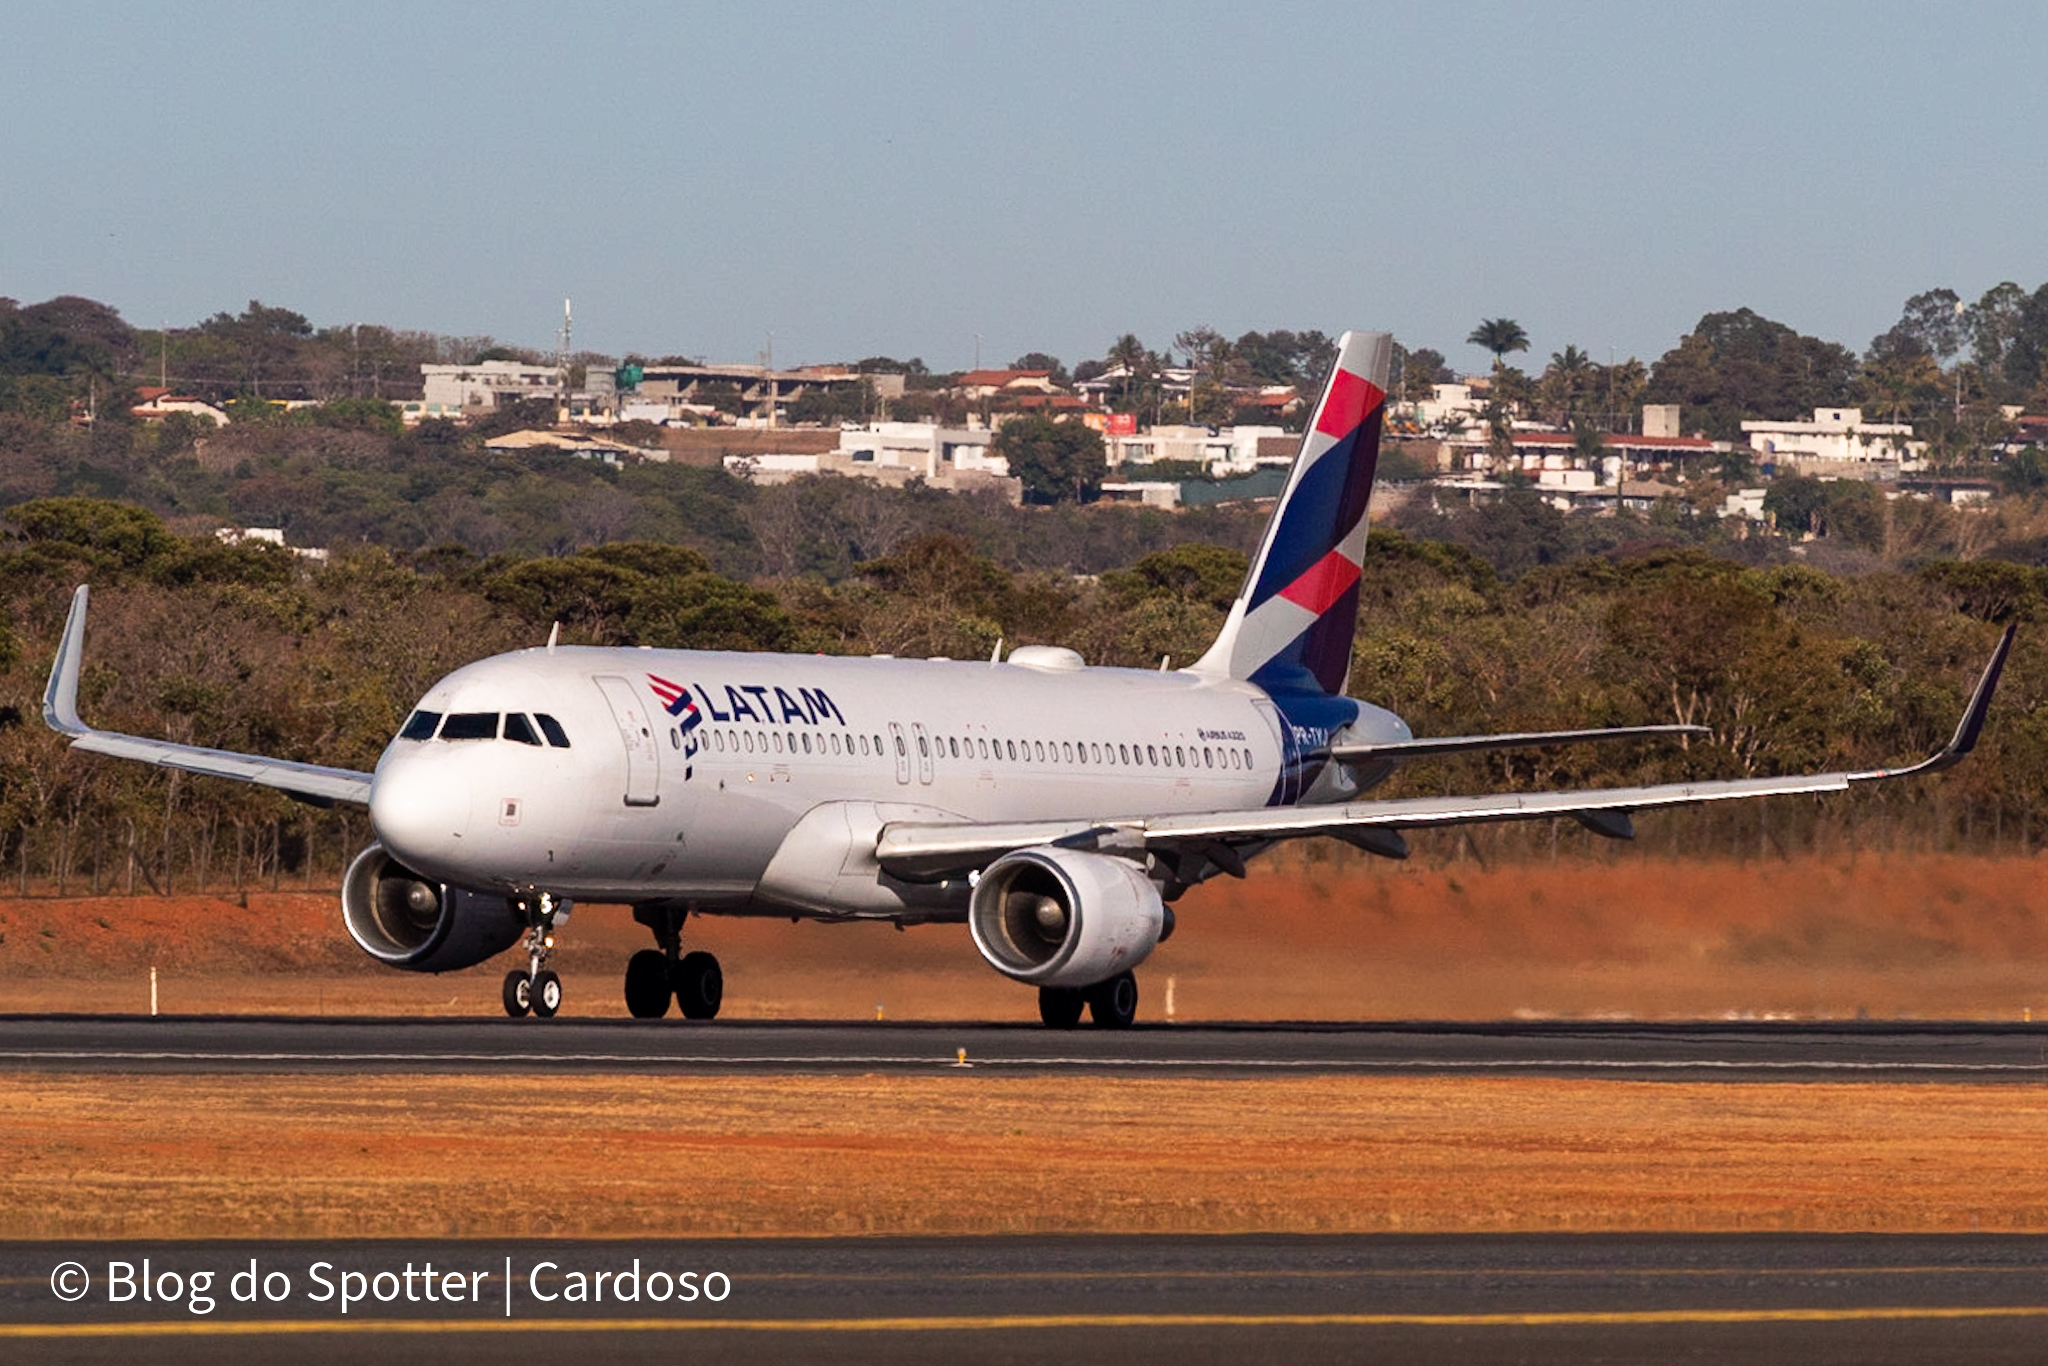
{"x": 637, "y": 731}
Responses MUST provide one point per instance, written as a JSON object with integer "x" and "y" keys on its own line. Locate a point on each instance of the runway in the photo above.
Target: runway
{"x": 1738, "y": 1298}
{"x": 1734, "y": 1051}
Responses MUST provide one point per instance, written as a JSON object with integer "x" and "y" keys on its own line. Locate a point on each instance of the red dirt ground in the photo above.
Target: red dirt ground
{"x": 1929, "y": 936}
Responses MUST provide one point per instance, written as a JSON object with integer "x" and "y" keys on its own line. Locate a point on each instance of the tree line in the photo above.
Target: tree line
{"x": 249, "y": 648}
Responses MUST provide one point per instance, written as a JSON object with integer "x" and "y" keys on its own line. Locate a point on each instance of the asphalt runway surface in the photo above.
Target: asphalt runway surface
{"x": 1749, "y": 1052}
{"x": 1588, "y": 1299}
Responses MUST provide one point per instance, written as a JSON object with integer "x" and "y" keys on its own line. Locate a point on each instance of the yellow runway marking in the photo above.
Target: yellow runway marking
{"x": 1012, "y": 1323}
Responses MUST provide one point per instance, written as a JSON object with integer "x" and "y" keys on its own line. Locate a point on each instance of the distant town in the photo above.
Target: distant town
{"x": 1744, "y": 422}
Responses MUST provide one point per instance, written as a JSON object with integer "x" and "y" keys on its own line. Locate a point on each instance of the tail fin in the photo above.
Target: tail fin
{"x": 1290, "y": 629}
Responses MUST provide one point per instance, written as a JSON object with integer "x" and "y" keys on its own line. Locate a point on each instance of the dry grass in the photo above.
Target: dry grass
{"x": 206, "y": 1156}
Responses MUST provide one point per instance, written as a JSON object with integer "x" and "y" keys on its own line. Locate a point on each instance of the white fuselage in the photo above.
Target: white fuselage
{"x": 686, "y": 771}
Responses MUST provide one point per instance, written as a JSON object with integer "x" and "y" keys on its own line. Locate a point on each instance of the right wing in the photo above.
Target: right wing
{"x": 307, "y": 782}
{"x": 930, "y": 851}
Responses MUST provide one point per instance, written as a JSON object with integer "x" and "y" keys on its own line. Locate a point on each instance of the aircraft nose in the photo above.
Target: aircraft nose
{"x": 418, "y": 810}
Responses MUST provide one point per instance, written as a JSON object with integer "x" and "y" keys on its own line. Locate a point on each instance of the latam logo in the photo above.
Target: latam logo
{"x": 677, "y": 702}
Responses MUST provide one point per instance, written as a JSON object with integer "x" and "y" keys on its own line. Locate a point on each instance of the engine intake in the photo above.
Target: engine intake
{"x": 1063, "y": 918}
{"x": 402, "y": 919}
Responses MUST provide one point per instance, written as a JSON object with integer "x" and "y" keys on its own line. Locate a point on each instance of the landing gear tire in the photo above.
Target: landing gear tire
{"x": 547, "y": 995}
{"x": 699, "y": 986}
{"x": 648, "y": 990}
{"x": 1112, "y": 1004}
{"x": 1060, "y": 1007}
{"x": 518, "y": 994}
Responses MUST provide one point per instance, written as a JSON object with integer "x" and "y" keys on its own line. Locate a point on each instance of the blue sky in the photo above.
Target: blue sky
{"x": 897, "y": 179}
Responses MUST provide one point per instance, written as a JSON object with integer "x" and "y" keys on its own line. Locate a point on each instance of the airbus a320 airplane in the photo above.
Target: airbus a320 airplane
{"x": 1058, "y": 809}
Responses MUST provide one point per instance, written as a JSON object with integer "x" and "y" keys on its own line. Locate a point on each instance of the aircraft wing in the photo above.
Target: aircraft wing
{"x": 1401, "y": 750}
{"x": 307, "y": 782}
{"x": 924, "y": 851}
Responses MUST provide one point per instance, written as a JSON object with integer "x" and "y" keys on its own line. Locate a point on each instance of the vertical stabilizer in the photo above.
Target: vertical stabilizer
{"x": 1290, "y": 629}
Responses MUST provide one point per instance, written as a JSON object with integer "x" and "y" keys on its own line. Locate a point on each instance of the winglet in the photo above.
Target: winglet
{"x": 60, "y": 698}
{"x": 1968, "y": 729}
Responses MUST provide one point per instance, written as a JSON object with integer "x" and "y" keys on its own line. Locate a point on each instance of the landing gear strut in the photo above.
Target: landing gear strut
{"x": 537, "y": 989}
{"x": 654, "y": 977}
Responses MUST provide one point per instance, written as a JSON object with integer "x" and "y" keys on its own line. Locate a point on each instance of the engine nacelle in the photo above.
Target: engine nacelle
{"x": 1062, "y": 918}
{"x": 400, "y": 918}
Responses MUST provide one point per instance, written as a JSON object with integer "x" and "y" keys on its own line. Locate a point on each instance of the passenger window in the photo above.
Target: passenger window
{"x": 420, "y": 725}
{"x": 552, "y": 728}
{"x": 1011, "y": 745}
{"x": 747, "y": 738}
{"x": 1208, "y": 759}
{"x": 1067, "y": 751}
{"x": 776, "y": 736}
{"x": 863, "y": 744}
{"x": 1123, "y": 755}
{"x": 471, "y": 725}
{"x": 981, "y": 747}
{"x": 675, "y": 737}
{"x": 835, "y": 742}
{"x": 900, "y": 750}
{"x": 1094, "y": 754}
{"x": 878, "y": 746}
{"x": 1151, "y": 755}
{"x": 807, "y": 742}
{"x": 923, "y": 752}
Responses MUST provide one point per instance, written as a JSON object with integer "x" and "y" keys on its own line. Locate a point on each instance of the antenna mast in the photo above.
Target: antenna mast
{"x": 562, "y": 356}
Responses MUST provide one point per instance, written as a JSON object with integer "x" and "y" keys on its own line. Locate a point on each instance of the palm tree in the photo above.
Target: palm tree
{"x": 1130, "y": 354}
{"x": 1566, "y": 381}
{"x": 1500, "y": 336}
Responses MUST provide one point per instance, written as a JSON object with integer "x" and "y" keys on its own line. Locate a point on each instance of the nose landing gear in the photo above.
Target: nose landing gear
{"x": 654, "y": 977}
{"x": 537, "y": 989}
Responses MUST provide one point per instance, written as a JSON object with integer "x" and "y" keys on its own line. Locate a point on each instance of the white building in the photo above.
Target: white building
{"x": 1218, "y": 450}
{"x": 956, "y": 459}
{"x": 1835, "y": 437}
{"x": 929, "y": 449}
{"x": 483, "y": 386}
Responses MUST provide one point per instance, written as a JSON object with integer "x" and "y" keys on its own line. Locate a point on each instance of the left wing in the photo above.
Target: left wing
{"x": 1403, "y": 750}
{"x": 307, "y": 782}
{"x": 923, "y": 851}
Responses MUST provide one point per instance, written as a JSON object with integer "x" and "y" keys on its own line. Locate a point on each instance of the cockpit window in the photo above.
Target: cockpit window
{"x": 517, "y": 727}
{"x": 552, "y": 728}
{"x": 420, "y": 725}
{"x": 470, "y": 725}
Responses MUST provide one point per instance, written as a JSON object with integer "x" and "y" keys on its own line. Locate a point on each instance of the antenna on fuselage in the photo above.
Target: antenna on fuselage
{"x": 554, "y": 634}
{"x": 1164, "y": 660}
{"x": 995, "y": 656}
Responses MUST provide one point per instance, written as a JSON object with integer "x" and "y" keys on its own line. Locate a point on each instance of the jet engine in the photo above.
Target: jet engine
{"x": 1063, "y": 918}
{"x": 402, "y": 919}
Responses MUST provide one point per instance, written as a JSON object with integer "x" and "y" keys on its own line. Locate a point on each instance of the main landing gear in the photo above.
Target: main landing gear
{"x": 537, "y": 989}
{"x": 1112, "y": 1004}
{"x": 656, "y": 976}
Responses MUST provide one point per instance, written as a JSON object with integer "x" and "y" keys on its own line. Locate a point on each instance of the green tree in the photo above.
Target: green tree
{"x": 1058, "y": 461}
{"x": 1741, "y": 365}
{"x": 1499, "y": 336}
